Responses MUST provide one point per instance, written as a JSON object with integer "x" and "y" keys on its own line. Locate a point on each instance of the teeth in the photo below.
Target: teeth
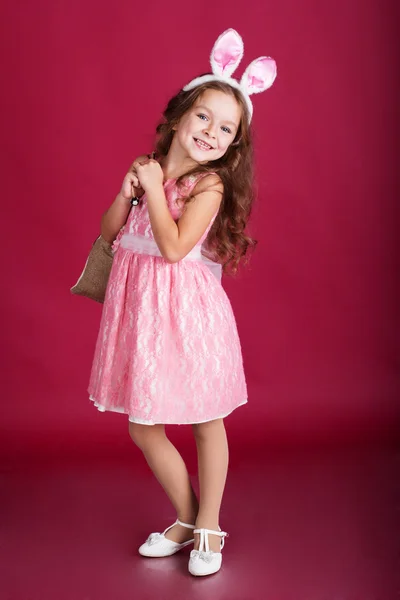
{"x": 203, "y": 144}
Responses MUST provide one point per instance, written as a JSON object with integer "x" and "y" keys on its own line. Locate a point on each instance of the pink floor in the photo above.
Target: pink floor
{"x": 304, "y": 524}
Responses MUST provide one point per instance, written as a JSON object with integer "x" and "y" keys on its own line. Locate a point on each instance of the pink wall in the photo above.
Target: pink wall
{"x": 85, "y": 83}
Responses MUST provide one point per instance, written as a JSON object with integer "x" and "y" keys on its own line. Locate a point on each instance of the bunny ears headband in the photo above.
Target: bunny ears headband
{"x": 225, "y": 57}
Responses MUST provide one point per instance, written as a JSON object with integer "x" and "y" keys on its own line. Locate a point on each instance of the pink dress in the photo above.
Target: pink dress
{"x": 168, "y": 349}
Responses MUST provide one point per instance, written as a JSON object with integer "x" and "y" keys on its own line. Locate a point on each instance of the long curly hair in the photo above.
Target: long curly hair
{"x": 227, "y": 242}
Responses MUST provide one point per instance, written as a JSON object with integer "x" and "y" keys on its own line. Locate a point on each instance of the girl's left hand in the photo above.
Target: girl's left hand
{"x": 150, "y": 174}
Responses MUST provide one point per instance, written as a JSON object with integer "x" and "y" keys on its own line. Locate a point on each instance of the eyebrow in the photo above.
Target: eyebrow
{"x": 210, "y": 111}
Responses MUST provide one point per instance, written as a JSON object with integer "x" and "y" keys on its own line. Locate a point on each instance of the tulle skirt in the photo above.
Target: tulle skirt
{"x": 168, "y": 349}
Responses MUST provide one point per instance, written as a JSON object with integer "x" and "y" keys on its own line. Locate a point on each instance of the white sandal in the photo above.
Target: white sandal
{"x": 158, "y": 545}
{"x": 206, "y": 562}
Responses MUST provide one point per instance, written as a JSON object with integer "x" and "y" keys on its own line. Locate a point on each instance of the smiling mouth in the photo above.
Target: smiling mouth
{"x": 203, "y": 145}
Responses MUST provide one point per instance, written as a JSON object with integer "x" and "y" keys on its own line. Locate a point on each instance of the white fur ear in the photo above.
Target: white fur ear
{"x": 227, "y": 53}
{"x": 259, "y": 75}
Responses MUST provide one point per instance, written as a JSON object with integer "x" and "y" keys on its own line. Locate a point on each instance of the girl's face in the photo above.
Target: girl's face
{"x": 208, "y": 128}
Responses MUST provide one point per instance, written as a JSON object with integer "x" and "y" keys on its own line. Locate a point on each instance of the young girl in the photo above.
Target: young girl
{"x": 168, "y": 350}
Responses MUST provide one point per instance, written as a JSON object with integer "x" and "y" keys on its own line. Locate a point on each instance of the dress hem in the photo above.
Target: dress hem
{"x": 133, "y": 419}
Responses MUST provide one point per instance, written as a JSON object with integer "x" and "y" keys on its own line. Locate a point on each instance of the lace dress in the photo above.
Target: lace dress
{"x": 168, "y": 349}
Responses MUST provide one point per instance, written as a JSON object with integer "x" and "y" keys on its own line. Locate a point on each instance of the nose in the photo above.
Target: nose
{"x": 210, "y": 131}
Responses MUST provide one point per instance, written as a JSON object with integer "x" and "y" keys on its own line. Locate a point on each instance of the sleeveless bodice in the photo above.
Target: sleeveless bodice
{"x": 138, "y": 222}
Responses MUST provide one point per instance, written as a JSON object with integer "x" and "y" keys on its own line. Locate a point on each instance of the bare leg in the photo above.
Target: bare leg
{"x": 213, "y": 459}
{"x": 171, "y": 472}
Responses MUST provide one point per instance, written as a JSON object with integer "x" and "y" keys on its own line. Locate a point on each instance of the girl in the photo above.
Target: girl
{"x": 168, "y": 350}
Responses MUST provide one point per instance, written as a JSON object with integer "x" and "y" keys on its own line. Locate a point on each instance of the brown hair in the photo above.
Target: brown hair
{"x": 226, "y": 241}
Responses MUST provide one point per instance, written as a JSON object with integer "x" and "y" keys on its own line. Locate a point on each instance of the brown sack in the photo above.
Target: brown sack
{"x": 93, "y": 281}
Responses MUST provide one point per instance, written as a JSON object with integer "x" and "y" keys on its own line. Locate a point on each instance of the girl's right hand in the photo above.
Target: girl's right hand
{"x": 131, "y": 186}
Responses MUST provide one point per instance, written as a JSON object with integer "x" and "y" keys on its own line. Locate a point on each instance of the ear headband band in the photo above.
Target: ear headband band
{"x": 225, "y": 57}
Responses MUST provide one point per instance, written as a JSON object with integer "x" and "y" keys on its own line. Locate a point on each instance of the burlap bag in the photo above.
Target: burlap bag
{"x": 93, "y": 281}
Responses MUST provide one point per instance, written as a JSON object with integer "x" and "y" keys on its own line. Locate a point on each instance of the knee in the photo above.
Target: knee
{"x": 142, "y": 435}
{"x": 203, "y": 431}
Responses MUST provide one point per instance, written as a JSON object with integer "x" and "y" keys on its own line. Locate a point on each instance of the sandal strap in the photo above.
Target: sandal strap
{"x": 204, "y": 537}
{"x": 178, "y": 522}
{"x": 185, "y": 524}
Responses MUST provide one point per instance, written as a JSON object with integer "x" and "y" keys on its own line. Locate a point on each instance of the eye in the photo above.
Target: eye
{"x": 226, "y": 129}
{"x": 201, "y": 116}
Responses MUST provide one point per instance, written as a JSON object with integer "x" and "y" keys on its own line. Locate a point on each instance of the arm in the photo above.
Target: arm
{"x": 176, "y": 240}
{"x": 115, "y": 217}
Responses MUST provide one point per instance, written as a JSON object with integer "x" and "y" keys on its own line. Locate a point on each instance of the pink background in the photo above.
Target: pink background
{"x": 84, "y": 84}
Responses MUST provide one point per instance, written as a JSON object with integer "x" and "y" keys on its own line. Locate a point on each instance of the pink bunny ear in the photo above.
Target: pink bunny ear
{"x": 259, "y": 75}
{"x": 227, "y": 53}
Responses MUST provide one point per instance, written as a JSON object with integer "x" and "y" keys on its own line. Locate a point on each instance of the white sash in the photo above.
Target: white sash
{"x": 144, "y": 245}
